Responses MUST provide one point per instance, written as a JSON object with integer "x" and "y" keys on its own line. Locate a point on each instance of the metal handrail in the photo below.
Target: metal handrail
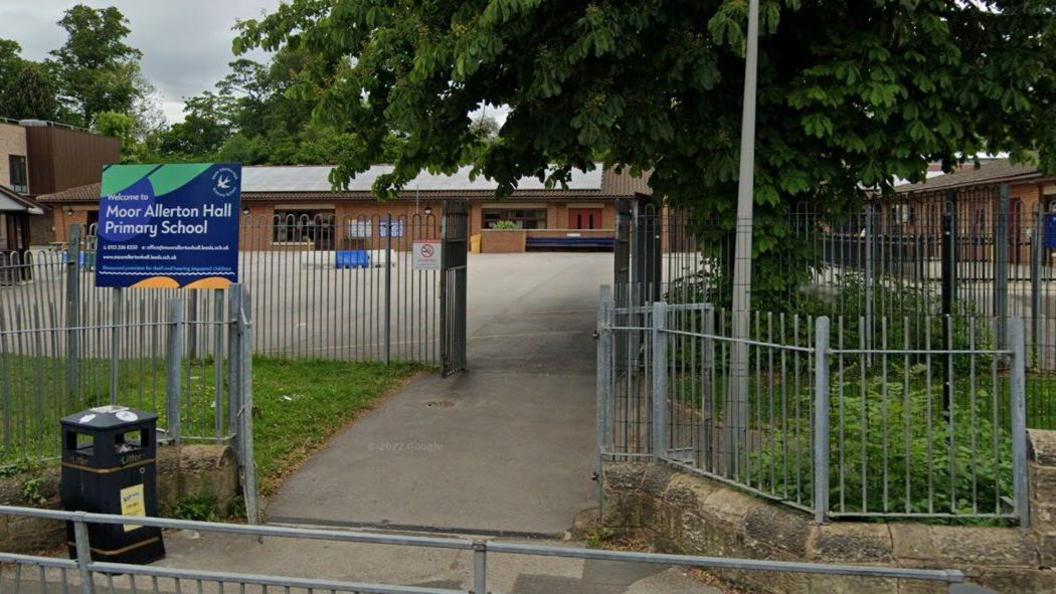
{"x": 480, "y": 548}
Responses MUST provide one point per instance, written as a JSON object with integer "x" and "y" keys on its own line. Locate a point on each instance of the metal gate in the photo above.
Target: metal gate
{"x": 453, "y": 280}
{"x": 639, "y": 253}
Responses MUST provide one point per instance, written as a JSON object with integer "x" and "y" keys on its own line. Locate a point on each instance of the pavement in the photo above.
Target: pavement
{"x": 506, "y": 447}
{"x": 503, "y": 450}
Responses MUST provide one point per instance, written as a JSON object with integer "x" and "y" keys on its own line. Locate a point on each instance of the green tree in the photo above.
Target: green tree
{"x": 29, "y": 93}
{"x": 851, "y": 93}
{"x": 10, "y": 60}
{"x": 205, "y": 127}
{"x": 97, "y": 71}
{"x": 27, "y": 88}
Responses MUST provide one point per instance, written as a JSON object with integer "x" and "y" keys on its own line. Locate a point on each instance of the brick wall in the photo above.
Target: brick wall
{"x": 498, "y": 241}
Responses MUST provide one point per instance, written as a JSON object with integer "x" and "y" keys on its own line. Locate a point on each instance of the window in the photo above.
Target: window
{"x": 17, "y": 166}
{"x": 305, "y": 226}
{"x": 521, "y": 218}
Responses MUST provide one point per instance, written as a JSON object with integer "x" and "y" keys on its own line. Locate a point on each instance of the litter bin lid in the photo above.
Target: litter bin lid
{"x": 108, "y": 417}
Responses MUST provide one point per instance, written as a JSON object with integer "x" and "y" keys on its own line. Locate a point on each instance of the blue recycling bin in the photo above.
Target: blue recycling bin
{"x": 352, "y": 259}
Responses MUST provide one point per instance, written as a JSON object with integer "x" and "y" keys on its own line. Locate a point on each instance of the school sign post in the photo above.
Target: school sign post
{"x": 169, "y": 226}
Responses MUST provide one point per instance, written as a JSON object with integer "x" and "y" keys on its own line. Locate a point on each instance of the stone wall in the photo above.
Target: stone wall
{"x": 184, "y": 472}
{"x": 688, "y": 514}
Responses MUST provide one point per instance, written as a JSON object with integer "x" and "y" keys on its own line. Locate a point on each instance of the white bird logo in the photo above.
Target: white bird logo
{"x": 223, "y": 183}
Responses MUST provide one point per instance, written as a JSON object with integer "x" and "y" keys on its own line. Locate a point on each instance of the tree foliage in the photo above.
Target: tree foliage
{"x": 254, "y": 118}
{"x": 851, "y": 94}
{"x": 97, "y": 71}
{"x": 27, "y": 88}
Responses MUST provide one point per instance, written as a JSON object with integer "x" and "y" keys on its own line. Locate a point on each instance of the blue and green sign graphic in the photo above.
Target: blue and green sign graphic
{"x": 169, "y": 226}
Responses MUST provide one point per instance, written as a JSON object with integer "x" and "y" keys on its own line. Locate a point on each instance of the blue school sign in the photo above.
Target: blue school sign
{"x": 169, "y": 226}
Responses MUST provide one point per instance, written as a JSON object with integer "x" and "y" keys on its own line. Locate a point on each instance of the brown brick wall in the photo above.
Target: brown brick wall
{"x": 495, "y": 241}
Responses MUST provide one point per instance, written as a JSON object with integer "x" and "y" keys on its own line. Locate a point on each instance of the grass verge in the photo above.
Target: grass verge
{"x": 300, "y": 404}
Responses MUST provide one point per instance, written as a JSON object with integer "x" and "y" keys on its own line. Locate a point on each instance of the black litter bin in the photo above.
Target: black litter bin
{"x": 109, "y": 466}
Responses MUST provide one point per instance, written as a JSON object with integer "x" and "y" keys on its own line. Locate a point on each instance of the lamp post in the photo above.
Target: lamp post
{"x": 737, "y": 415}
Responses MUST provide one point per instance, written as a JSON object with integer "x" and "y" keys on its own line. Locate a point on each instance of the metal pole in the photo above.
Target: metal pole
{"x": 234, "y": 373}
{"x": 659, "y": 379}
{"x": 115, "y": 343}
{"x": 174, "y": 365}
{"x": 84, "y": 555}
{"x": 949, "y": 284}
{"x": 870, "y": 273}
{"x": 445, "y": 301}
{"x": 604, "y": 389}
{"x": 218, "y": 365}
{"x": 388, "y": 289}
{"x": 707, "y": 389}
{"x": 245, "y": 411}
{"x": 1019, "y": 420}
{"x": 73, "y": 311}
{"x": 1001, "y": 263}
{"x": 1037, "y": 244}
{"x": 192, "y": 329}
{"x": 742, "y": 264}
{"x": 480, "y": 567}
{"x": 821, "y": 419}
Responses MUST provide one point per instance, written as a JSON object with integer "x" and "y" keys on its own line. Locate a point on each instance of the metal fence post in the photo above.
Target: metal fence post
{"x": 821, "y": 419}
{"x": 707, "y": 389}
{"x": 659, "y": 339}
{"x": 245, "y": 411}
{"x": 234, "y": 373}
{"x": 1001, "y": 263}
{"x": 1037, "y": 245}
{"x": 218, "y": 365}
{"x": 480, "y": 567}
{"x": 192, "y": 329}
{"x": 174, "y": 366}
{"x": 949, "y": 283}
{"x": 388, "y": 289}
{"x": 605, "y": 378}
{"x": 73, "y": 311}
{"x": 84, "y": 555}
{"x": 1018, "y": 384}
{"x": 870, "y": 272}
{"x": 115, "y": 342}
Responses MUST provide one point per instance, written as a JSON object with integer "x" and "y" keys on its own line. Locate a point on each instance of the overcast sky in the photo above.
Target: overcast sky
{"x": 186, "y": 44}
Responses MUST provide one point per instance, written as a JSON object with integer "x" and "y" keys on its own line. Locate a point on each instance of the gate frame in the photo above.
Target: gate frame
{"x": 454, "y": 235}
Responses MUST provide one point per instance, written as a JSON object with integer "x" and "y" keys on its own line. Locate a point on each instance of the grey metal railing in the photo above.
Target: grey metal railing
{"x": 928, "y": 422}
{"x": 966, "y": 253}
{"x": 91, "y": 576}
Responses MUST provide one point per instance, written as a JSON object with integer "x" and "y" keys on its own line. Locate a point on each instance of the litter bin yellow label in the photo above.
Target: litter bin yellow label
{"x": 133, "y": 504}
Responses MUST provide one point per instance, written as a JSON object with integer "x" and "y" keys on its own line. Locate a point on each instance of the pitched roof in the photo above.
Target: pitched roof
{"x": 988, "y": 172}
{"x": 316, "y": 178}
{"x": 87, "y": 193}
{"x": 313, "y": 183}
{"x": 12, "y": 201}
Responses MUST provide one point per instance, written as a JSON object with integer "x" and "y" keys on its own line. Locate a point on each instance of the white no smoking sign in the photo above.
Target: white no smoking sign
{"x": 426, "y": 255}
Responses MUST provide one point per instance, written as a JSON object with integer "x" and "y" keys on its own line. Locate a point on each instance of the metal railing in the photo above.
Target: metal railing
{"x": 52, "y": 366}
{"x": 968, "y": 253}
{"x": 928, "y": 422}
{"x": 91, "y": 576}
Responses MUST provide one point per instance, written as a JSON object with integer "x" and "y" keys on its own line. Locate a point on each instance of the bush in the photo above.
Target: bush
{"x": 890, "y": 449}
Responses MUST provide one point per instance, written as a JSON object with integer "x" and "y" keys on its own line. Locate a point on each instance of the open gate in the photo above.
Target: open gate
{"x": 453, "y": 280}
